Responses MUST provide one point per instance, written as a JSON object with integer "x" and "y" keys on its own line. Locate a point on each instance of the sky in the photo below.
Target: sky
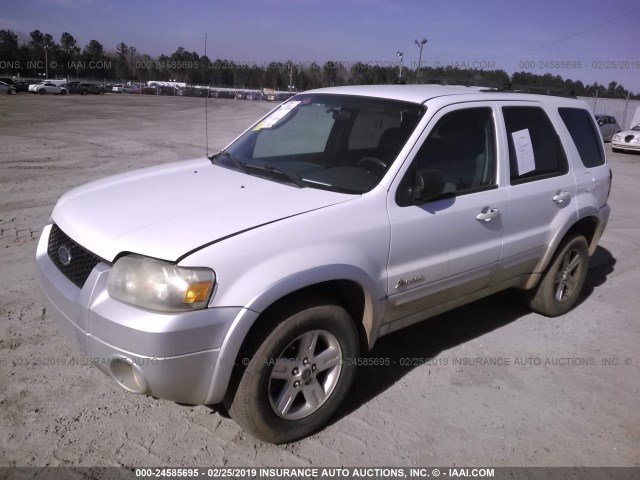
{"x": 585, "y": 40}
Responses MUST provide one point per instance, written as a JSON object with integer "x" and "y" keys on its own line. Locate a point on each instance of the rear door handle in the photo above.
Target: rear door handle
{"x": 561, "y": 197}
{"x": 488, "y": 215}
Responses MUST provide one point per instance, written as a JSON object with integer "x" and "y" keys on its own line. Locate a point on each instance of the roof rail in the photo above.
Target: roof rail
{"x": 535, "y": 90}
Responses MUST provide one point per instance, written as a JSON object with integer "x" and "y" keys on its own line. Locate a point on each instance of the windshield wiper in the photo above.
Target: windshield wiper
{"x": 295, "y": 179}
{"x": 245, "y": 167}
{"x": 239, "y": 164}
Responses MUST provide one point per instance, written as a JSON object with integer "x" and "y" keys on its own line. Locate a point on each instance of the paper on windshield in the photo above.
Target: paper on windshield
{"x": 277, "y": 115}
{"x": 524, "y": 151}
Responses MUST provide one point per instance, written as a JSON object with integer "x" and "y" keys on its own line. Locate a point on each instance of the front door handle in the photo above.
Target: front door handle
{"x": 560, "y": 197}
{"x": 487, "y": 216}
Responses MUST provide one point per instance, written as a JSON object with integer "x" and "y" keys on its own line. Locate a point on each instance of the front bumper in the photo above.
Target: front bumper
{"x": 171, "y": 356}
{"x": 625, "y": 145}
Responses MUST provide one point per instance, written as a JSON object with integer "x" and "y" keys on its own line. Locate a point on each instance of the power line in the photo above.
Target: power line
{"x": 555, "y": 42}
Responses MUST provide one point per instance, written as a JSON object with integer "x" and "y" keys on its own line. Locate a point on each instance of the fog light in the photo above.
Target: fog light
{"x": 128, "y": 375}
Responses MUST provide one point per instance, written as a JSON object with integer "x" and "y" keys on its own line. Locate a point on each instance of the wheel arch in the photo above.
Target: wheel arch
{"x": 348, "y": 293}
{"x": 588, "y": 226}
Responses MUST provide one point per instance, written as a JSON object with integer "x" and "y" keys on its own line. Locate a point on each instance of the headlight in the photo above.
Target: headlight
{"x": 617, "y": 136}
{"x": 158, "y": 285}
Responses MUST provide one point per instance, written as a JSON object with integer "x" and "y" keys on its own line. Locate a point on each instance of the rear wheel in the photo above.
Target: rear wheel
{"x": 299, "y": 375}
{"x": 563, "y": 280}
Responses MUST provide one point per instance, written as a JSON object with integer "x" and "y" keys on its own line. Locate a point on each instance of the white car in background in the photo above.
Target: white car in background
{"x": 47, "y": 87}
{"x": 627, "y": 140}
{"x": 117, "y": 88}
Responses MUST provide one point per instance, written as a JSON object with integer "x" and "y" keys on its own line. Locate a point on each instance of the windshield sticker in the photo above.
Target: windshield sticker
{"x": 524, "y": 151}
{"x": 276, "y": 116}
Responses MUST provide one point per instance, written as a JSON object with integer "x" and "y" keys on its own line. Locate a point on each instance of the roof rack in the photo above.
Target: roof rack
{"x": 534, "y": 89}
{"x": 495, "y": 85}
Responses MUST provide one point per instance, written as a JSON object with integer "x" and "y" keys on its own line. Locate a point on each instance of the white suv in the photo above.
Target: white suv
{"x": 256, "y": 277}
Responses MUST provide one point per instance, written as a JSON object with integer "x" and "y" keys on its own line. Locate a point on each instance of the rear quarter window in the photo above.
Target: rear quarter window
{"x": 584, "y": 134}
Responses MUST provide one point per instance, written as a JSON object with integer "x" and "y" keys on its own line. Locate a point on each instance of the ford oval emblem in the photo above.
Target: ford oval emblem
{"x": 64, "y": 255}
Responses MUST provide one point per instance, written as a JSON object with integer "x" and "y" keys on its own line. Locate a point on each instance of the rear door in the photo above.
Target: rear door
{"x": 541, "y": 188}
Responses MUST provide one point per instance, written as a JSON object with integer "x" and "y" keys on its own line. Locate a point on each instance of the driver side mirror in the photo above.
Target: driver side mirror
{"x": 428, "y": 184}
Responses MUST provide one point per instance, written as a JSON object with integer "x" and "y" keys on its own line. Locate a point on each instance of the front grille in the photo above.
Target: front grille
{"x": 79, "y": 261}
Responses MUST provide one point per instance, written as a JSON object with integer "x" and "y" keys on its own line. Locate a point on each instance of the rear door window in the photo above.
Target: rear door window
{"x": 535, "y": 150}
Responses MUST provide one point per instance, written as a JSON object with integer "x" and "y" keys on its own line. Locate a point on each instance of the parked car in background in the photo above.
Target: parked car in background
{"x": 132, "y": 88}
{"x": 608, "y": 126}
{"x": 253, "y": 96}
{"x": 21, "y": 86}
{"x": 627, "y": 140}
{"x": 117, "y": 88}
{"x": 166, "y": 90}
{"x": 83, "y": 88}
{"x": 48, "y": 87}
{"x": 74, "y": 88}
{"x": 93, "y": 88}
{"x": 225, "y": 94}
{"x": 6, "y": 88}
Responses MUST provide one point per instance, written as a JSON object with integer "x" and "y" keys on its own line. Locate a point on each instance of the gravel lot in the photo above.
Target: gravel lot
{"x": 567, "y": 393}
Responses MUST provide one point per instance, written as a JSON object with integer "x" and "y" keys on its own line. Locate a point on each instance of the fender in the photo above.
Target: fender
{"x": 374, "y": 308}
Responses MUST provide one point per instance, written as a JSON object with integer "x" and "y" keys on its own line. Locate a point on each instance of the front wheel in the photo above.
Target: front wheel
{"x": 563, "y": 280}
{"x": 42, "y": 91}
{"x": 299, "y": 375}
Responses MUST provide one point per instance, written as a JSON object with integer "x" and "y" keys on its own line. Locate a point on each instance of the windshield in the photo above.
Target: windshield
{"x": 636, "y": 128}
{"x": 341, "y": 143}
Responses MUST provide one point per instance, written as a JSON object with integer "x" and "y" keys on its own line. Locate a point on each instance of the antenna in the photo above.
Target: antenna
{"x": 206, "y": 101}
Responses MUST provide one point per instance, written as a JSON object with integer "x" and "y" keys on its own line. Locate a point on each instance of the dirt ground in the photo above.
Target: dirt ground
{"x": 566, "y": 391}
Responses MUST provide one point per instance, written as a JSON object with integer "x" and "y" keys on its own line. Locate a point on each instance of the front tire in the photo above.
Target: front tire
{"x": 563, "y": 280}
{"x": 42, "y": 91}
{"x": 299, "y": 375}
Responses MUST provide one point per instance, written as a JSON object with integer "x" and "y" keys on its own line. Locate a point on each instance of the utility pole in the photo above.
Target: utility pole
{"x": 290, "y": 75}
{"x": 400, "y": 56}
{"x": 46, "y": 62}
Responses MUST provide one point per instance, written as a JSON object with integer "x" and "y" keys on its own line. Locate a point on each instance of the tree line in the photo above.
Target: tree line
{"x": 67, "y": 59}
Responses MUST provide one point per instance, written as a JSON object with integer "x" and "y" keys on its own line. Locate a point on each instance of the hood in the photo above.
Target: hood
{"x": 167, "y": 211}
{"x": 624, "y": 133}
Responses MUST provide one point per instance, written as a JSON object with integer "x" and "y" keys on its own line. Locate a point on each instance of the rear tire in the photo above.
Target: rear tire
{"x": 299, "y": 375}
{"x": 563, "y": 280}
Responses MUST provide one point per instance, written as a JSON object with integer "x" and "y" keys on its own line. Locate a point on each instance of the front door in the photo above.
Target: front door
{"x": 450, "y": 246}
